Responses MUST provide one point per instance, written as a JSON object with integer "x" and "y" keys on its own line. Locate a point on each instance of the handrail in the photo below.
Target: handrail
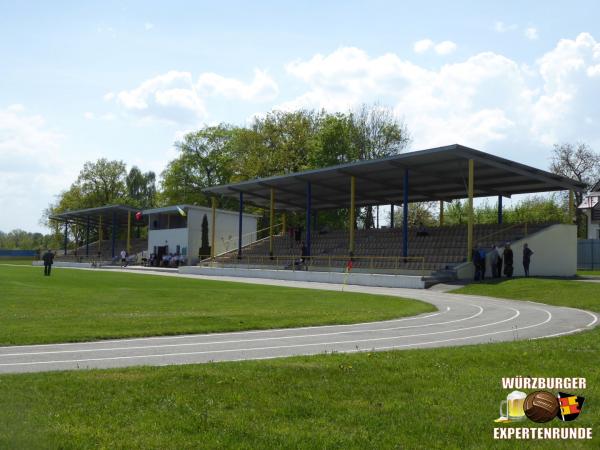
{"x": 514, "y": 225}
{"x": 248, "y": 234}
{"x": 292, "y": 260}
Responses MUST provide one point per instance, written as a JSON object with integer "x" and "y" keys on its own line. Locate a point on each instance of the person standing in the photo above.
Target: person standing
{"x": 476, "y": 258}
{"x": 499, "y": 263}
{"x": 482, "y": 257}
{"x": 526, "y": 258}
{"x": 48, "y": 259}
{"x": 494, "y": 261}
{"x": 123, "y": 258}
{"x": 508, "y": 260}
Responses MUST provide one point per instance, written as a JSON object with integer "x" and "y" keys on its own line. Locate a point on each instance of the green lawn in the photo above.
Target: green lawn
{"x": 588, "y": 272}
{"x": 79, "y": 305}
{"x": 416, "y": 399}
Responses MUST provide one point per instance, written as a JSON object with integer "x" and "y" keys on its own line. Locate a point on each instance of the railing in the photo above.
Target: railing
{"x": 235, "y": 240}
{"x": 502, "y": 230}
{"x": 296, "y": 262}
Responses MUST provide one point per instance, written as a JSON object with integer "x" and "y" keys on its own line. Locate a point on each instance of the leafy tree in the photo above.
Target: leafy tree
{"x": 103, "y": 182}
{"x": 141, "y": 188}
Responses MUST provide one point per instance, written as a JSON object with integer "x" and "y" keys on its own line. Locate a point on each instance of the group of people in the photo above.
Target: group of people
{"x": 497, "y": 260}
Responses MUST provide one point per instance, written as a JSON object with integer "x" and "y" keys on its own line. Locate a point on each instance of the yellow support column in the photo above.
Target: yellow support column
{"x": 213, "y": 226}
{"x": 100, "y": 236}
{"x": 470, "y": 210}
{"x": 352, "y": 211}
{"x": 441, "y": 213}
{"x": 271, "y": 220}
{"x": 571, "y": 206}
{"x": 128, "y": 232}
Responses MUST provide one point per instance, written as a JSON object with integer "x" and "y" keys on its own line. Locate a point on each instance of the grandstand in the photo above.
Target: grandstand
{"x": 440, "y": 174}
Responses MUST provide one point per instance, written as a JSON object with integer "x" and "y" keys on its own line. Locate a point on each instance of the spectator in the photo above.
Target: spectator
{"x": 422, "y": 230}
{"x": 123, "y": 258}
{"x": 48, "y": 261}
{"x": 304, "y": 252}
{"x": 494, "y": 262}
{"x": 526, "y": 258}
{"x": 476, "y": 257}
{"x": 482, "y": 264}
{"x": 499, "y": 263}
{"x": 508, "y": 260}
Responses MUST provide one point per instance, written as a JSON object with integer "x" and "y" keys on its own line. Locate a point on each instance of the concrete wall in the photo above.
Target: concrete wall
{"x": 554, "y": 254}
{"x": 172, "y": 237}
{"x": 362, "y": 279}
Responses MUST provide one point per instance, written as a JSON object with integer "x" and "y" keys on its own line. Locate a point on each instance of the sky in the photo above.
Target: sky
{"x": 124, "y": 80}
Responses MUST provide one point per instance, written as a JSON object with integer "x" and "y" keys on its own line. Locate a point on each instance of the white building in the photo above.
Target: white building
{"x": 591, "y": 209}
{"x": 169, "y": 231}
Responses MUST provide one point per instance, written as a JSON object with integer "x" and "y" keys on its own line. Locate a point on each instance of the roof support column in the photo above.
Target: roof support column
{"x": 499, "y": 210}
{"x": 100, "y": 237}
{"x": 87, "y": 237}
{"x": 240, "y": 223}
{"x": 271, "y": 221}
{"x": 308, "y": 214}
{"x": 128, "y": 232}
{"x": 470, "y": 210}
{"x": 65, "y": 238}
{"x": 392, "y": 215}
{"x": 114, "y": 233}
{"x": 213, "y": 225}
{"x": 352, "y": 220}
{"x": 283, "y": 223}
{"x": 405, "y": 215}
{"x": 441, "y": 213}
{"x": 571, "y": 205}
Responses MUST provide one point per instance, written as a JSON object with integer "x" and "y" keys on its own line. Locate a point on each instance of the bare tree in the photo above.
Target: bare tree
{"x": 579, "y": 162}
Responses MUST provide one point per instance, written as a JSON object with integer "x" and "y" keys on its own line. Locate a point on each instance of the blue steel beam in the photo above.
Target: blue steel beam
{"x": 405, "y": 215}
{"x": 308, "y": 214}
{"x": 240, "y": 218}
{"x": 500, "y": 209}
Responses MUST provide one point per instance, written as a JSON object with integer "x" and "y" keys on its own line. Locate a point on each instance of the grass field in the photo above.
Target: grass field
{"x": 416, "y": 399}
{"x": 79, "y": 305}
{"x": 588, "y": 272}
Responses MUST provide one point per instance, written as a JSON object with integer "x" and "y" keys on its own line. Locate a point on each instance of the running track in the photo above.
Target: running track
{"x": 460, "y": 320}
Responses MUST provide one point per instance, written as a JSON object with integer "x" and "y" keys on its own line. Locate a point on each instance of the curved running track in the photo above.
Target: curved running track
{"x": 460, "y": 320}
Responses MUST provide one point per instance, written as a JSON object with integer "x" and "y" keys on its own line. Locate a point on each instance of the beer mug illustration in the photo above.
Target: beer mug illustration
{"x": 514, "y": 406}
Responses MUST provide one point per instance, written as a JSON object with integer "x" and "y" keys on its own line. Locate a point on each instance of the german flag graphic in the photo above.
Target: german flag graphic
{"x": 570, "y": 406}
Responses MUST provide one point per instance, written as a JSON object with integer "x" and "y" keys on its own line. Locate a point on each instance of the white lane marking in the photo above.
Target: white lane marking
{"x": 187, "y": 336}
{"x": 236, "y": 341}
{"x": 593, "y": 315}
{"x": 160, "y": 355}
{"x": 557, "y": 334}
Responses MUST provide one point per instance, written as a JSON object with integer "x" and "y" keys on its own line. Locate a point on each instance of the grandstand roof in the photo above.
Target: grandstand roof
{"x": 434, "y": 174}
{"x": 81, "y": 216}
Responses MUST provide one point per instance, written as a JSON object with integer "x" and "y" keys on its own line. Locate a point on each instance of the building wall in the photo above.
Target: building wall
{"x": 593, "y": 229}
{"x": 172, "y": 237}
{"x": 554, "y": 254}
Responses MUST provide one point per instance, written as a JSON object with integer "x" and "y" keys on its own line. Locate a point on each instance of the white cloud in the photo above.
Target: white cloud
{"x": 531, "y": 33}
{"x": 176, "y": 97}
{"x": 32, "y": 169}
{"x": 485, "y": 100}
{"x": 108, "y": 96}
{"x": 501, "y": 27}
{"x": 423, "y": 45}
{"x": 442, "y": 48}
{"x": 89, "y": 115}
{"x": 148, "y": 26}
{"x": 445, "y": 48}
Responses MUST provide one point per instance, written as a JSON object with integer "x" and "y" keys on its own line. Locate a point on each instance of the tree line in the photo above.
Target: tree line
{"x": 282, "y": 142}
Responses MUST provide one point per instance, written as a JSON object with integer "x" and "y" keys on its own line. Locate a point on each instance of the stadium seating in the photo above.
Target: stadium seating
{"x": 381, "y": 249}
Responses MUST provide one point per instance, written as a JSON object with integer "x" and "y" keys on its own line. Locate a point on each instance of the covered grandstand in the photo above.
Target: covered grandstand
{"x": 439, "y": 174}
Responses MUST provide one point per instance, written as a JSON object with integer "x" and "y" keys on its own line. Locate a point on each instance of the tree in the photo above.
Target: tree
{"x": 581, "y": 163}
{"x": 103, "y": 182}
{"x": 204, "y": 160}
{"x": 141, "y": 188}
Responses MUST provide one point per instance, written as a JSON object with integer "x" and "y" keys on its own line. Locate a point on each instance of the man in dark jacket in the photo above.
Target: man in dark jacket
{"x": 48, "y": 259}
{"x": 526, "y": 258}
{"x": 508, "y": 260}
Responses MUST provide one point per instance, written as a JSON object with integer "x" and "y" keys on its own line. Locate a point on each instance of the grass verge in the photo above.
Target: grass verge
{"x": 443, "y": 398}
{"x": 79, "y": 305}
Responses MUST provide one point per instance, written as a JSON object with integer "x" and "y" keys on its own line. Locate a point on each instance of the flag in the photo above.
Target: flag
{"x": 570, "y": 406}
{"x": 181, "y": 211}
{"x": 349, "y": 265}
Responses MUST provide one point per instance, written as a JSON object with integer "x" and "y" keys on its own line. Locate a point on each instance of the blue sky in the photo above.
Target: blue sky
{"x": 123, "y": 80}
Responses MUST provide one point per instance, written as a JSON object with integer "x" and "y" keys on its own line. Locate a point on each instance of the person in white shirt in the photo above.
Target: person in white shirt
{"x": 123, "y": 258}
